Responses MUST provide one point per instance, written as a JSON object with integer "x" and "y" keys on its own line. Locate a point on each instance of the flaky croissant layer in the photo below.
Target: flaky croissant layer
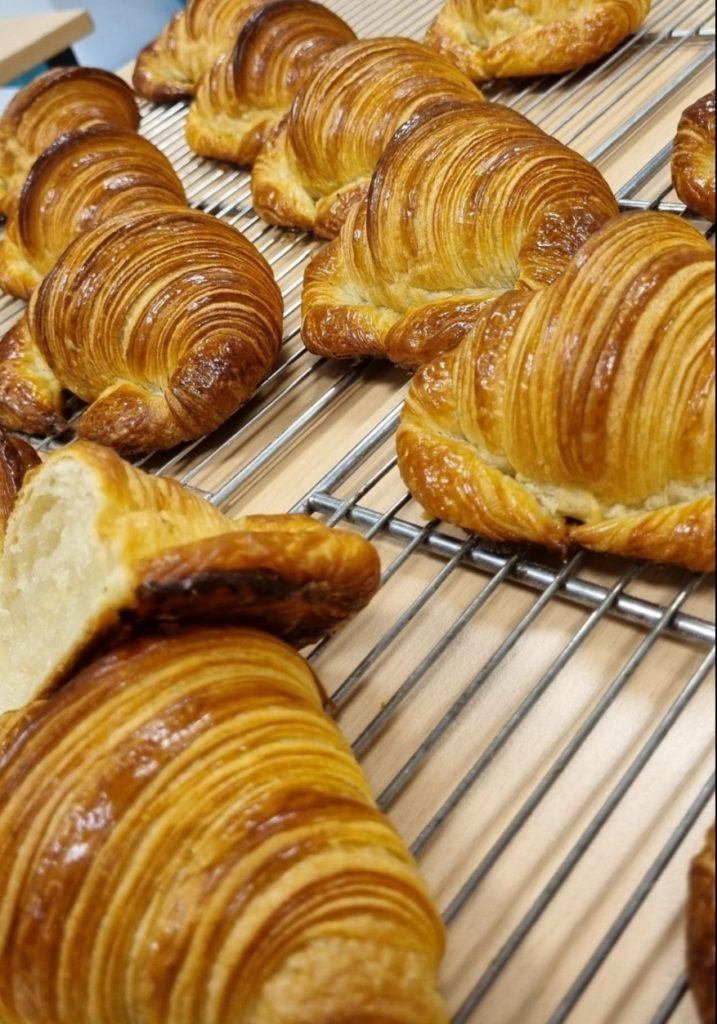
{"x": 187, "y": 838}
{"x": 592, "y": 400}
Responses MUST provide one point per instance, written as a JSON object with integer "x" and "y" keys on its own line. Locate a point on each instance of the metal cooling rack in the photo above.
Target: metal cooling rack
{"x": 448, "y": 686}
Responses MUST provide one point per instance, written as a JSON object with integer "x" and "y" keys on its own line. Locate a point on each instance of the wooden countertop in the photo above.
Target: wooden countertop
{"x": 28, "y": 41}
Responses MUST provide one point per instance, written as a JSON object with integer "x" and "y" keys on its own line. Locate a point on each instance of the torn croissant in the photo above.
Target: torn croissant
{"x": 592, "y": 400}
{"x": 516, "y": 38}
{"x": 468, "y": 201}
{"x": 60, "y": 101}
{"x": 185, "y": 827}
{"x": 246, "y": 94}
{"x": 170, "y": 68}
{"x": 94, "y": 545}
{"x": 320, "y": 161}
{"x": 16, "y": 459}
{"x": 693, "y": 164}
{"x": 701, "y": 931}
{"x": 165, "y": 321}
{"x": 83, "y": 180}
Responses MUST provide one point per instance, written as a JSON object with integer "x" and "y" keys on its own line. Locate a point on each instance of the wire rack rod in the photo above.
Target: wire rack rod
{"x": 675, "y": 998}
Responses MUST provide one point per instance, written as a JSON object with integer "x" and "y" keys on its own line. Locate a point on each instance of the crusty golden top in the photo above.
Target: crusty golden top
{"x": 247, "y": 93}
{"x": 592, "y": 400}
{"x": 60, "y": 101}
{"x": 165, "y": 321}
{"x": 701, "y": 930}
{"x": 468, "y": 201}
{"x": 82, "y": 180}
{"x": 188, "y": 838}
{"x": 96, "y": 548}
{"x": 321, "y": 160}
{"x": 515, "y": 38}
{"x": 693, "y": 166}
{"x": 16, "y": 458}
{"x": 170, "y": 68}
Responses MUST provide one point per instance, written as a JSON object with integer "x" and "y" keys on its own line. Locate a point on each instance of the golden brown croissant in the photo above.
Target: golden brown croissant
{"x": 592, "y": 400}
{"x": 320, "y": 161}
{"x": 701, "y": 931}
{"x": 513, "y": 38}
{"x": 16, "y": 458}
{"x": 246, "y": 94}
{"x": 693, "y": 165}
{"x": 467, "y": 202}
{"x": 170, "y": 68}
{"x": 94, "y": 545}
{"x": 84, "y": 179}
{"x": 166, "y": 321}
{"x": 187, "y": 839}
{"x": 63, "y": 100}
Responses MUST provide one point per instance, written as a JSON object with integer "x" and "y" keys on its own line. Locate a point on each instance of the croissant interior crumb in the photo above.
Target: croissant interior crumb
{"x": 58, "y": 575}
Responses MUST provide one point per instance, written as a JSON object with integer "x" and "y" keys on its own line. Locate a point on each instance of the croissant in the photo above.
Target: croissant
{"x": 94, "y": 545}
{"x": 165, "y": 321}
{"x": 693, "y": 164}
{"x": 514, "y": 38}
{"x": 592, "y": 400}
{"x": 169, "y": 68}
{"x": 84, "y": 179}
{"x": 243, "y": 98}
{"x": 60, "y": 101}
{"x": 701, "y": 931}
{"x": 188, "y": 838}
{"x": 320, "y": 161}
{"x": 16, "y": 458}
{"x": 467, "y": 202}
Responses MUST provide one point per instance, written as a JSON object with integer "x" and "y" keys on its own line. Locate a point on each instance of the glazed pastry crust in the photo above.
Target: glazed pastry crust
{"x": 165, "y": 321}
{"x": 245, "y": 95}
{"x": 701, "y": 931}
{"x": 170, "y": 68}
{"x": 467, "y": 202}
{"x": 136, "y": 550}
{"x": 693, "y": 165}
{"x": 16, "y": 459}
{"x": 360, "y": 95}
{"x": 83, "y": 180}
{"x": 504, "y": 38}
{"x": 60, "y": 101}
{"x": 592, "y": 400}
{"x": 208, "y": 850}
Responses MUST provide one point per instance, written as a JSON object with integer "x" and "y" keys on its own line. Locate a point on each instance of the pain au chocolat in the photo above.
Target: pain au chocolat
{"x": 95, "y": 547}
{"x": 320, "y": 161}
{"x": 583, "y": 413}
{"x": 170, "y": 68}
{"x": 693, "y": 163}
{"x": 164, "y": 321}
{"x": 60, "y": 101}
{"x": 246, "y": 94}
{"x": 515, "y": 38}
{"x": 188, "y": 838}
{"x": 469, "y": 201}
{"x": 83, "y": 180}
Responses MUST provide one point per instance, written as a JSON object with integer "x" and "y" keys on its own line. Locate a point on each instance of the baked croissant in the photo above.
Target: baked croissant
{"x": 169, "y": 68}
{"x": 16, "y": 458}
{"x": 188, "y": 838}
{"x": 693, "y": 164}
{"x": 592, "y": 400}
{"x": 320, "y": 161}
{"x": 84, "y": 179}
{"x": 701, "y": 931}
{"x": 60, "y": 101}
{"x": 468, "y": 201}
{"x": 514, "y": 38}
{"x": 243, "y": 98}
{"x": 94, "y": 546}
{"x": 165, "y": 321}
